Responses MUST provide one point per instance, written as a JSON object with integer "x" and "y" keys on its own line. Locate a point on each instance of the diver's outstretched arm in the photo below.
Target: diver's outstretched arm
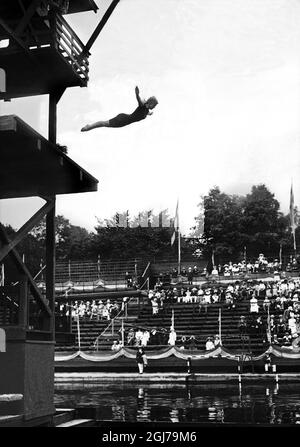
{"x": 137, "y": 94}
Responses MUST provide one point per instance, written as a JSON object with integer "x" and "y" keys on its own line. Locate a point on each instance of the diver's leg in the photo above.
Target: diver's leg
{"x": 95, "y": 125}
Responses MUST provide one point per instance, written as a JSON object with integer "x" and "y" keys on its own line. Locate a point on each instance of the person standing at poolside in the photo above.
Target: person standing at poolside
{"x": 141, "y": 360}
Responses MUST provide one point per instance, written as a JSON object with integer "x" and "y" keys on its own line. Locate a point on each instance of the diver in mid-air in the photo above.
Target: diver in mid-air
{"x": 124, "y": 119}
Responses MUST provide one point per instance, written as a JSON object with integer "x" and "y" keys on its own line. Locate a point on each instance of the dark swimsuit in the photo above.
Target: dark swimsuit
{"x": 123, "y": 119}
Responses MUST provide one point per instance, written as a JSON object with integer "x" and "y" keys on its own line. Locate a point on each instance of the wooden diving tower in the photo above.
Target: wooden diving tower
{"x": 40, "y": 54}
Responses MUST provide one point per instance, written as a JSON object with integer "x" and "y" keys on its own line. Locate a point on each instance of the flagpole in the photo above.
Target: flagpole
{"x": 220, "y": 326}
{"x": 179, "y": 253}
{"x": 292, "y": 217}
{"x": 294, "y": 239}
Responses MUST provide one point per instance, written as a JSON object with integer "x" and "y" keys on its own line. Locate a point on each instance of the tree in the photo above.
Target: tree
{"x": 263, "y": 222}
{"x": 71, "y": 241}
{"x": 222, "y": 224}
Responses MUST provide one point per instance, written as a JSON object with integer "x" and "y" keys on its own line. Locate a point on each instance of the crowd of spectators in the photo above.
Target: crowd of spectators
{"x": 231, "y": 269}
{"x": 95, "y": 309}
{"x": 273, "y": 306}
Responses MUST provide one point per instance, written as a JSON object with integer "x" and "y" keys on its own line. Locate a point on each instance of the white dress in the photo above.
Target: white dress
{"x": 172, "y": 338}
{"x": 253, "y": 305}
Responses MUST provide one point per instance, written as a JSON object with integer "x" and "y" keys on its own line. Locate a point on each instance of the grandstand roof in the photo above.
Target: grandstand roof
{"x": 31, "y": 166}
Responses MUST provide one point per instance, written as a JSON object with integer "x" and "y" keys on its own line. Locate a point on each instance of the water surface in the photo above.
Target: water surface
{"x": 207, "y": 403}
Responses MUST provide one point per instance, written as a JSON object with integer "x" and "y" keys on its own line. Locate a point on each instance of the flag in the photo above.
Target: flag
{"x": 160, "y": 219}
{"x": 292, "y": 210}
{"x": 127, "y": 218}
{"x": 117, "y": 219}
{"x": 176, "y": 220}
{"x": 292, "y": 215}
{"x": 176, "y": 225}
{"x": 173, "y": 238}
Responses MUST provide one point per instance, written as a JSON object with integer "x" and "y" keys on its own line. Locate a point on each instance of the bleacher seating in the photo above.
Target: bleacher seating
{"x": 187, "y": 321}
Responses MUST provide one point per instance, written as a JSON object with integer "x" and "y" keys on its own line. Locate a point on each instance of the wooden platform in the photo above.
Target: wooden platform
{"x": 31, "y": 166}
{"x": 27, "y": 78}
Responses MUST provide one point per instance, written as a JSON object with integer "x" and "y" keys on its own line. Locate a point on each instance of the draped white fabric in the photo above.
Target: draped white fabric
{"x": 220, "y": 352}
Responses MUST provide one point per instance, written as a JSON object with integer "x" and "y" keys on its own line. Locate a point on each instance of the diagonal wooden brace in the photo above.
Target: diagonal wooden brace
{"x": 22, "y": 267}
{"x": 98, "y": 29}
{"x": 24, "y": 230}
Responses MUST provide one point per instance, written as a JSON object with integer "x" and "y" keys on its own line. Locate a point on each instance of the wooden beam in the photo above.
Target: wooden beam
{"x": 98, "y": 29}
{"x": 24, "y": 230}
{"x": 24, "y": 270}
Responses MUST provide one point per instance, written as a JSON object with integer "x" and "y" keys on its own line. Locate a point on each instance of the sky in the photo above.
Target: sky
{"x": 226, "y": 74}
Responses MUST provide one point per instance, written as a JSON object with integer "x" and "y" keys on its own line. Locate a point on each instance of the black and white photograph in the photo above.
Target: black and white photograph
{"x": 149, "y": 218}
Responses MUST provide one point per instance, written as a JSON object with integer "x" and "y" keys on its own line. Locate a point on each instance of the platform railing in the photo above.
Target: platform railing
{"x": 70, "y": 46}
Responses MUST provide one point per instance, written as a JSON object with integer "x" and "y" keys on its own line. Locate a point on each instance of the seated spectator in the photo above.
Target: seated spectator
{"x": 192, "y": 342}
{"x": 145, "y": 338}
{"x": 202, "y": 304}
{"x": 253, "y": 305}
{"x": 287, "y": 339}
{"x": 195, "y": 270}
{"x": 130, "y": 337}
{"x": 115, "y": 346}
{"x": 183, "y": 271}
{"x": 183, "y": 342}
{"x": 227, "y": 272}
{"x": 242, "y": 325}
{"x": 154, "y": 337}
{"x": 154, "y": 306}
{"x": 190, "y": 275}
{"x": 235, "y": 270}
{"x": 100, "y": 310}
{"x": 280, "y": 328}
{"x": 229, "y": 300}
{"x": 128, "y": 279}
{"x": 261, "y": 290}
{"x": 292, "y": 325}
{"x": 215, "y": 296}
{"x": 217, "y": 341}
{"x": 266, "y": 304}
{"x": 259, "y": 326}
{"x": 207, "y": 296}
{"x": 209, "y": 345}
{"x": 250, "y": 267}
{"x": 138, "y": 337}
{"x": 214, "y": 271}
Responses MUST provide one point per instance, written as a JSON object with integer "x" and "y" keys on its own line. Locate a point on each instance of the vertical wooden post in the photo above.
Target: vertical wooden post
{"x": 50, "y": 263}
{"x": 50, "y": 222}
{"x": 52, "y": 124}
